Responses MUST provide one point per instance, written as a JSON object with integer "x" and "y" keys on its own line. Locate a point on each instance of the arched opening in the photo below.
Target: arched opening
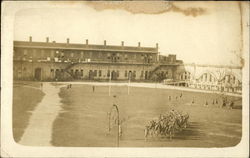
{"x": 113, "y": 75}
{"x": 185, "y": 76}
{"x": 207, "y": 77}
{"x": 38, "y": 74}
{"x": 91, "y": 74}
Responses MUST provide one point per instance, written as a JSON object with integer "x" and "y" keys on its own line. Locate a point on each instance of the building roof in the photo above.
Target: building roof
{"x": 74, "y": 46}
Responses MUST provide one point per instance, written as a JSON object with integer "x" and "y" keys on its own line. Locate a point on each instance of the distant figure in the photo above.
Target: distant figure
{"x": 181, "y": 95}
{"x": 213, "y": 102}
{"x": 176, "y": 97}
{"x": 169, "y": 98}
{"x": 224, "y": 103}
{"x": 41, "y": 85}
{"x": 93, "y": 87}
{"x": 206, "y": 103}
{"x": 216, "y": 101}
{"x": 70, "y": 85}
{"x": 231, "y": 105}
{"x": 193, "y": 101}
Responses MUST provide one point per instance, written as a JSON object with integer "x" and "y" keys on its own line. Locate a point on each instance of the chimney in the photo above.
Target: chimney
{"x": 47, "y": 39}
{"x": 139, "y": 44}
{"x": 87, "y": 41}
{"x": 157, "y": 45}
{"x": 122, "y": 43}
{"x": 30, "y": 38}
{"x": 105, "y": 42}
{"x": 67, "y": 40}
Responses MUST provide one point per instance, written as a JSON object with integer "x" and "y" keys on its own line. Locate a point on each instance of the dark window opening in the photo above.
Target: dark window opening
{"x": 100, "y": 73}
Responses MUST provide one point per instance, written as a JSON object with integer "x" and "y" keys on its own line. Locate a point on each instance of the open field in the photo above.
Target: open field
{"x": 25, "y": 98}
{"x": 84, "y": 120}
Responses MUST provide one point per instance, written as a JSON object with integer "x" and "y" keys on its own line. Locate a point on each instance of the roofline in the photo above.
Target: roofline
{"x": 108, "y": 50}
{"x": 87, "y": 47}
{"x": 209, "y": 65}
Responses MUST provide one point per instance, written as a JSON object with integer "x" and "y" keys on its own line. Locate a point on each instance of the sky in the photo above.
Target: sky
{"x": 211, "y": 37}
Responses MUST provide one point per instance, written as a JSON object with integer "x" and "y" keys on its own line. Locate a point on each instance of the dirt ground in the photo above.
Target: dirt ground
{"x": 83, "y": 122}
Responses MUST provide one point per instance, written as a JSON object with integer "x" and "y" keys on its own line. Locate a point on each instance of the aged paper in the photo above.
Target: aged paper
{"x": 125, "y": 79}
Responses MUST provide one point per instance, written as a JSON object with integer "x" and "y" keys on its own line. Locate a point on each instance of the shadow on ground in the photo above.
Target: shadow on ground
{"x": 192, "y": 132}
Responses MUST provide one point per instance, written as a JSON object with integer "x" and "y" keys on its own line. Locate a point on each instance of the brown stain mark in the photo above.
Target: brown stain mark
{"x": 147, "y": 7}
{"x": 242, "y": 61}
{"x": 189, "y": 11}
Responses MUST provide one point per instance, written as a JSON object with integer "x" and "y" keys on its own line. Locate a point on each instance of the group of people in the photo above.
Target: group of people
{"x": 225, "y": 102}
{"x": 69, "y": 86}
{"x": 167, "y": 124}
{"x": 176, "y": 97}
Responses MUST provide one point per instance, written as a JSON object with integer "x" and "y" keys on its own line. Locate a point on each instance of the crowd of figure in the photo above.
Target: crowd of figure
{"x": 167, "y": 124}
{"x": 226, "y": 103}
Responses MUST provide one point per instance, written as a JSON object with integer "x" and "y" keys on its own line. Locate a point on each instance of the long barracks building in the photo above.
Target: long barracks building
{"x": 67, "y": 61}
{"x": 48, "y": 61}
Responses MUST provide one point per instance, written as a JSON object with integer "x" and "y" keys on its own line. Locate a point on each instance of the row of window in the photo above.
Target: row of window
{"x": 61, "y": 54}
{"x": 98, "y": 73}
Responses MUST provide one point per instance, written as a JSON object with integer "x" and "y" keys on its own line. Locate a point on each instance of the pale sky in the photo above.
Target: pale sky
{"x": 210, "y": 38}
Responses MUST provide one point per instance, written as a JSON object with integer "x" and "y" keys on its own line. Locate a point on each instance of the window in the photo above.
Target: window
{"x": 76, "y": 72}
{"x": 25, "y": 52}
{"x": 126, "y": 57}
{"x": 95, "y": 73}
{"x": 126, "y": 73}
{"x": 99, "y": 54}
{"x": 52, "y": 53}
{"x": 108, "y": 73}
{"x": 62, "y": 55}
{"x": 141, "y": 73}
{"x": 100, "y": 73}
{"x": 42, "y": 53}
{"x": 81, "y": 73}
{"x": 134, "y": 74}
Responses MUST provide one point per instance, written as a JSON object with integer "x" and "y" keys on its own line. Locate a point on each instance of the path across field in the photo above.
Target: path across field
{"x": 39, "y": 130}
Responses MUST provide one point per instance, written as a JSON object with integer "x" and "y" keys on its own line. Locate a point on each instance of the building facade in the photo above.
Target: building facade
{"x": 47, "y": 61}
{"x": 209, "y": 77}
{"x": 51, "y": 61}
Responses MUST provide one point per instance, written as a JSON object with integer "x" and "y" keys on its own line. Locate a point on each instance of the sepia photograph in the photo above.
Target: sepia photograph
{"x": 126, "y": 75}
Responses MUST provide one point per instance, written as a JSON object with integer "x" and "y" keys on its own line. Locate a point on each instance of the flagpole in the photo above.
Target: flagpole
{"x": 128, "y": 83}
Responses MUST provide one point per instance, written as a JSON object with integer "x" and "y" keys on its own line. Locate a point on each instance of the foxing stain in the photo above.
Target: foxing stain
{"x": 146, "y": 7}
{"x": 242, "y": 61}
